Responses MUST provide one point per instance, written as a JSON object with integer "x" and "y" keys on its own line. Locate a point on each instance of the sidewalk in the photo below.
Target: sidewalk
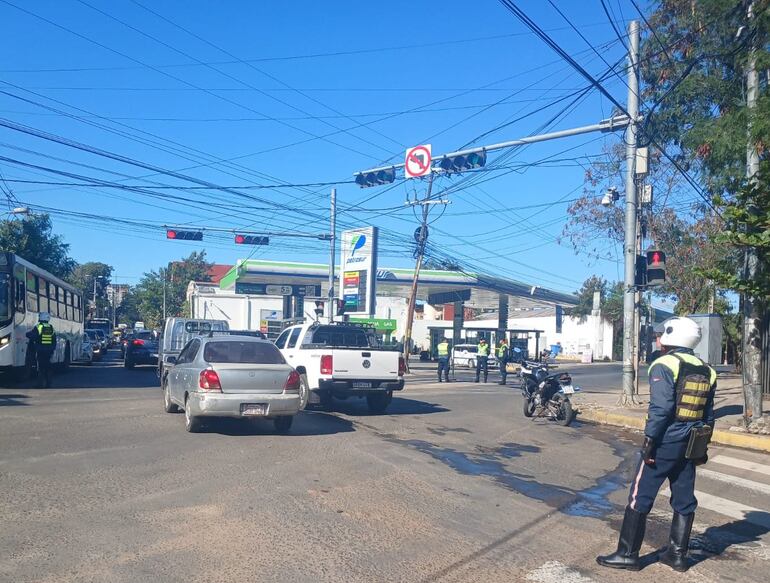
{"x": 603, "y": 407}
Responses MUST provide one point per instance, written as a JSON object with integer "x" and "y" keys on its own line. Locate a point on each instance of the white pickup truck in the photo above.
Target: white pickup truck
{"x": 342, "y": 360}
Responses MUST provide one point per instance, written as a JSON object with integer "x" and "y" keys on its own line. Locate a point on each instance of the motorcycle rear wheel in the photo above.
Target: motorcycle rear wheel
{"x": 565, "y": 413}
{"x": 529, "y": 407}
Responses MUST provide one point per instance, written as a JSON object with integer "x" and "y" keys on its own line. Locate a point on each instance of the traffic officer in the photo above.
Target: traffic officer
{"x": 502, "y": 354}
{"x": 482, "y": 360}
{"x": 443, "y": 359}
{"x": 682, "y": 390}
{"x": 42, "y": 339}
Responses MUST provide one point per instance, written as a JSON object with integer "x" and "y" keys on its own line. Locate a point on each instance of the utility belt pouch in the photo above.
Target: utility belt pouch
{"x": 698, "y": 444}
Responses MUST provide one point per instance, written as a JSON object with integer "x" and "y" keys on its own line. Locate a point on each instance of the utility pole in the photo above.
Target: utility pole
{"x": 752, "y": 351}
{"x": 332, "y": 250}
{"x": 421, "y": 240}
{"x": 165, "y": 275}
{"x": 629, "y": 245}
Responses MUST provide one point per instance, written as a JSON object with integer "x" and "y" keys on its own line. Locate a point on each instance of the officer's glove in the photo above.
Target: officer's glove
{"x": 648, "y": 451}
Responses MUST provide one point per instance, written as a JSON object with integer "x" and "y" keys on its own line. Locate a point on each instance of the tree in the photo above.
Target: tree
{"x": 32, "y": 238}
{"x": 146, "y": 299}
{"x": 586, "y": 296}
{"x": 83, "y": 277}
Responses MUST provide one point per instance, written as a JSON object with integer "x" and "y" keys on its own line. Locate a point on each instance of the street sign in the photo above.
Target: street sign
{"x": 417, "y": 162}
{"x": 359, "y": 267}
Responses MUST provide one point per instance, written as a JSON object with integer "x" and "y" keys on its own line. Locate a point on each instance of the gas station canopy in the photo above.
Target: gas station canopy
{"x": 435, "y": 287}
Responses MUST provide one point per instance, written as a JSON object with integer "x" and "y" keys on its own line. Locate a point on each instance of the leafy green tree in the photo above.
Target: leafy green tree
{"x": 586, "y": 296}
{"x": 32, "y": 238}
{"x": 83, "y": 277}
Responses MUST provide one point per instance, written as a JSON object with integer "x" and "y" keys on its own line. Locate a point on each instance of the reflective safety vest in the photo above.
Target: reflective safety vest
{"x": 484, "y": 349}
{"x": 45, "y": 332}
{"x": 694, "y": 384}
{"x": 443, "y": 349}
{"x": 501, "y": 350}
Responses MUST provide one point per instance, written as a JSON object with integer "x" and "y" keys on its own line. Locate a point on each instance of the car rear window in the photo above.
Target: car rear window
{"x": 144, "y": 335}
{"x": 241, "y": 352}
{"x": 341, "y": 337}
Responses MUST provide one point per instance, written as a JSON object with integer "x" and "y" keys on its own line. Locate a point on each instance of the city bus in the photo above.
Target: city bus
{"x": 25, "y": 291}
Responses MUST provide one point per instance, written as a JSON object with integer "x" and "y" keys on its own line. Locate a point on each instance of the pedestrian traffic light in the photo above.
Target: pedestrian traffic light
{"x": 184, "y": 235}
{"x": 656, "y": 267}
{"x": 251, "y": 240}
{"x": 376, "y": 178}
{"x": 319, "y": 308}
{"x": 463, "y": 162}
{"x": 640, "y": 279}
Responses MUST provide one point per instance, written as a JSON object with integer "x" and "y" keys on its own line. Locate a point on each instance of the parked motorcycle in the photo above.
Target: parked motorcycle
{"x": 546, "y": 394}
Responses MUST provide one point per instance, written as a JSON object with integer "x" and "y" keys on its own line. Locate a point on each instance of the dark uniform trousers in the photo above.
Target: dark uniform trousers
{"x": 482, "y": 364}
{"x": 670, "y": 464}
{"x": 443, "y": 365}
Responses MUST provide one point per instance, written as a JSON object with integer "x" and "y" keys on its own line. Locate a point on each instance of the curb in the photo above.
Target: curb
{"x": 720, "y": 436}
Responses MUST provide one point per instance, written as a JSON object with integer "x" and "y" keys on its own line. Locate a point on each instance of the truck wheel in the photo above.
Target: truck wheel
{"x": 378, "y": 402}
{"x": 304, "y": 391}
{"x": 283, "y": 423}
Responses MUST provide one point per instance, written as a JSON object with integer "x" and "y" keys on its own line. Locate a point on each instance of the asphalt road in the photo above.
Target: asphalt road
{"x": 452, "y": 484}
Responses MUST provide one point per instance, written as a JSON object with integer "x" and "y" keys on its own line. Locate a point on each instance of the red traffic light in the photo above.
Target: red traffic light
{"x": 170, "y": 234}
{"x": 656, "y": 258}
{"x": 252, "y": 240}
{"x": 184, "y": 235}
{"x": 240, "y": 239}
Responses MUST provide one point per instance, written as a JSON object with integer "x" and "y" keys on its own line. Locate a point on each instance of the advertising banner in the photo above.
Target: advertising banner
{"x": 358, "y": 269}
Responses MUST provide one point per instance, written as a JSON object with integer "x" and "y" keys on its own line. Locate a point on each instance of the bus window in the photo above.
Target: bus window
{"x": 5, "y": 296}
{"x": 32, "y": 304}
{"x": 43, "y": 295}
{"x": 67, "y": 306}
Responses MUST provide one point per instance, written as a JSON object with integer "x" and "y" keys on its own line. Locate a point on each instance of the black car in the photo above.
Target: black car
{"x": 141, "y": 348}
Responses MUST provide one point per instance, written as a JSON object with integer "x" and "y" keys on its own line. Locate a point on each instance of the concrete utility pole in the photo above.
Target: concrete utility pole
{"x": 332, "y": 250}
{"x": 752, "y": 343}
{"x": 629, "y": 245}
{"x": 421, "y": 240}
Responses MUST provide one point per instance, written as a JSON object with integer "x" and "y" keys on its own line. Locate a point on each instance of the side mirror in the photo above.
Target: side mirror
{"x": 171, "y": 360}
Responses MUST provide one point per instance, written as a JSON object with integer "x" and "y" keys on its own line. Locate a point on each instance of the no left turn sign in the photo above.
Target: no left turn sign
{"x": 417, "y": 162}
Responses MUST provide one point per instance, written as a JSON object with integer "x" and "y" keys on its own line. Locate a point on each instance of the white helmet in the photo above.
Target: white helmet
{"x": 44, "y": 317}
{"x": 681, "y": 332}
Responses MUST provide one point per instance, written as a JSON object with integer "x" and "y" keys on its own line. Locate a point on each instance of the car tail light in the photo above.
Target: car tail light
{"x": 138, "y": 342}
{"x": 327, "y": 364}
{"x": 401, "y": 366}
{"x": 209, "y": 380}
{"x": 292, "y": 383}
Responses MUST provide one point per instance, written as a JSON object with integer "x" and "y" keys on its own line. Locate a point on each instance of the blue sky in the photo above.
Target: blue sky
{"x": 329, "y": 88}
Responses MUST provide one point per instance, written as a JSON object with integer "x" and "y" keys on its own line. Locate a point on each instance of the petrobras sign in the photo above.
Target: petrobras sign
{"x": 358, "y": 270}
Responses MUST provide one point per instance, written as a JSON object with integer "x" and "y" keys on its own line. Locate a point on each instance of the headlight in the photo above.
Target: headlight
{"x": 5, "y": 340}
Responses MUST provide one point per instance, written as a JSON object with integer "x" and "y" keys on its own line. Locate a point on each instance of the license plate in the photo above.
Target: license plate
{"x": 254, "y": 409}
{"x": 568, "y": 389}
{"x": 362, "y": 385}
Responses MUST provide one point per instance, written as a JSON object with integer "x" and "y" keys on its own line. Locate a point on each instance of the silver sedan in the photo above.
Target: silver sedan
{"x": 232, "y": 376}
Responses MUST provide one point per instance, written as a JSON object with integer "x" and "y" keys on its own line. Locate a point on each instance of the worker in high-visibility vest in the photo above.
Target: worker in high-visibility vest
{"x": 42, "y": 339}
{"x": 443, "y": 359}
{"x": 503, "y": 355}
{"x": 482, "y": 360}
{"x": 679, "y": 422}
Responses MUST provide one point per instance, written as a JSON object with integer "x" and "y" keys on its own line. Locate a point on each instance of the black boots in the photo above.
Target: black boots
{"x": 631, "y": 536}
{"x": 675, "y": 556}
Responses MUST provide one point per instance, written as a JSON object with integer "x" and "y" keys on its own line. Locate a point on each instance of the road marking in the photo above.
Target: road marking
{"x": 741, "y": 464}
{"x": 734, "y": 480}
{"x": 729, "y": 508}
{"x": 556, "y": 572}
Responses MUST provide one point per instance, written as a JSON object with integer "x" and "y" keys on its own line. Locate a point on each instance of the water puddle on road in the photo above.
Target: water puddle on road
{"x": 593, "y": 501}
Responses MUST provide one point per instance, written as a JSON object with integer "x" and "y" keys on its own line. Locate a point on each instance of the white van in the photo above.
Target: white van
{"x": 178, "y": 331}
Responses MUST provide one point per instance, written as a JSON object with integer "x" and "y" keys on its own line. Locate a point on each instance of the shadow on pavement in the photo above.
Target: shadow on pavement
{"x": 716, "y": 540}
{"x": 399, "y": 406}
{"x": 305, "y": 423}
{"x": 11, "y": 400}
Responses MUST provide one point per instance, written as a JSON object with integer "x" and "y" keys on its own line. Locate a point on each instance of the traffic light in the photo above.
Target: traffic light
{"x": 656, "y": 267}
{"x": 463, "y": 162}
{"x": 340, "y": 304}
{"x": 251, "y": 240}
{"x": 319, "y": 308}
{"x": 367, "y": 179}
{"x": 640, "y": 279}
{"x": 184, "y": 235}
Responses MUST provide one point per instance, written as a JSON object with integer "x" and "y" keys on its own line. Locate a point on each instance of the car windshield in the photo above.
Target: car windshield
{"x": 91, "y": 336}
{"x": 5, "y": 296}
{"x": 242, "y": 352}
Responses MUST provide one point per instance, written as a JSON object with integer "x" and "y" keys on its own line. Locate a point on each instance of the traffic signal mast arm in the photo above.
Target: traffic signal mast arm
{"x": 386, "y": 174}
{"x": 170, "y": 230}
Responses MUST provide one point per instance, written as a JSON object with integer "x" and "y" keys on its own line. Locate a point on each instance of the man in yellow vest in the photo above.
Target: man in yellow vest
{"x": 503, "y": 355}
{"x": 443, "y": 359}
{"x": 42, "y": 339}
{"x": 482, "y": 360}
{"x": 679, "y": 419}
